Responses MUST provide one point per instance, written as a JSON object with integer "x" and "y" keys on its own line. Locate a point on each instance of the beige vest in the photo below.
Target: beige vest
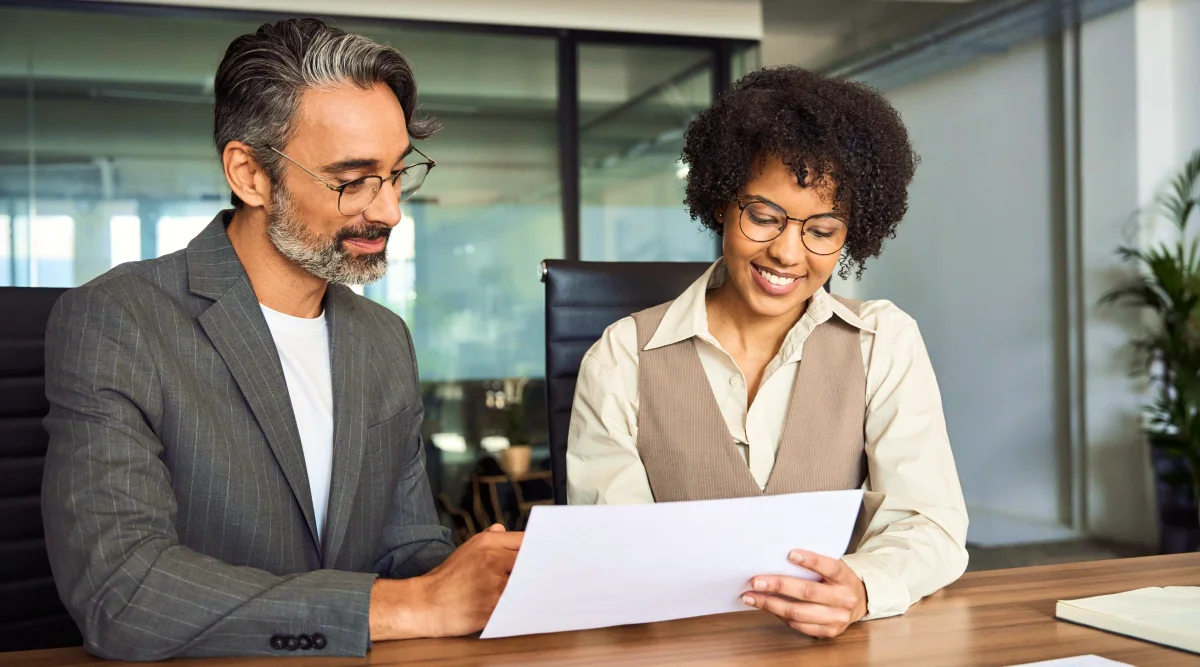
{"x": 685, "y": 444}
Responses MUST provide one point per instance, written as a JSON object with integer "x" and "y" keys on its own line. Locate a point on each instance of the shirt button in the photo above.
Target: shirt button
{"x": 735, "y": 381}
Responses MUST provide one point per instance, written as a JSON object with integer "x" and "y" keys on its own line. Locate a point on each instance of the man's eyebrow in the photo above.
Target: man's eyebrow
{"x": 361, "y": 164}
{"x": 351, "y": 164}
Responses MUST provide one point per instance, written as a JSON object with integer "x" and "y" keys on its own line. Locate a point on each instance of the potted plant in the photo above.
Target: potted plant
{"x": 1167, "y": 289}
{"x": 519, "y": 455}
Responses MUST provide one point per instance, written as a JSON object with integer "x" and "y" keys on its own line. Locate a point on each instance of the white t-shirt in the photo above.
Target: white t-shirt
{"x": 303, "y": 345}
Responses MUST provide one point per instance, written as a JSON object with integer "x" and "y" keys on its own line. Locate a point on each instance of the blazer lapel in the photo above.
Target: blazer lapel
{"x": 236, "y": 326}
{"x": 347, "y": 361}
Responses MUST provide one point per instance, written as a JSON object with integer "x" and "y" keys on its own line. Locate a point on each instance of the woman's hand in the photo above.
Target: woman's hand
{"x": 817, "y": 608}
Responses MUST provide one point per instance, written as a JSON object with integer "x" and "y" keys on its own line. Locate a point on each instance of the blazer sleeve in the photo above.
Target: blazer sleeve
{"x": 415, "y": 541}
{"x": 109, "y": 513}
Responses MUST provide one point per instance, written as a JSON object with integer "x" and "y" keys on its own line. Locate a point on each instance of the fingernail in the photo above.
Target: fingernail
{"x": 747, "y": 600}
{"x": 796, "y": 557}
{"x": 760, "y": 585}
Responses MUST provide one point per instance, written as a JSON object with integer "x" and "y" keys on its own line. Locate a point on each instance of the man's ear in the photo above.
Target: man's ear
{"x": 245, "y": 175}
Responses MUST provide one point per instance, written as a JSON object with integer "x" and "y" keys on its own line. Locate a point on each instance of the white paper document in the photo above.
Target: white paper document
{"x": 597, "y": 566}
{"x": 1077, "y": 661}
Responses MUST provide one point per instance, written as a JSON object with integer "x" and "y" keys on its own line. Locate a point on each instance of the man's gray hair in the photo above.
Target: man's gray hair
{"x": 262, "y": 77}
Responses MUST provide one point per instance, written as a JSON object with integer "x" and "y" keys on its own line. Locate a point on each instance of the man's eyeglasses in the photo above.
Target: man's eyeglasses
{"x": 822, "y": 234}
{"x": 356, "y": 196}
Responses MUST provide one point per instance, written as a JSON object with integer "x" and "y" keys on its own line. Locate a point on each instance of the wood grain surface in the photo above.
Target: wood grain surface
{"x": 1000, "y": 617}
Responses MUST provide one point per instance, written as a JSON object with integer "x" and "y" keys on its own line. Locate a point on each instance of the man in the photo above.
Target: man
{"x": 235, "y": 465}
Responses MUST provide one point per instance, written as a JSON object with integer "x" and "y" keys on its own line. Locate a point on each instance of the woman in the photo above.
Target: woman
{"x": 755, "y": 380}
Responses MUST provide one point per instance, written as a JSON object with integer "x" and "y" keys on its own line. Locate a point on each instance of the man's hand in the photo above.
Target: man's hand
{"x": 456, "y": 598}
{"x": 817, "y": 608}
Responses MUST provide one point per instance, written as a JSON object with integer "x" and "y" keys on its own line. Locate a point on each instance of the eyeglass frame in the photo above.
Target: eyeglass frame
{"x": 786, "y": 219}
{"x": 340, "y": 189}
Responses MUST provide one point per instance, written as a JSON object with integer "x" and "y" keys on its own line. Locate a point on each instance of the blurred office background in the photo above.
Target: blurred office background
{"x": 1043, "y": 126}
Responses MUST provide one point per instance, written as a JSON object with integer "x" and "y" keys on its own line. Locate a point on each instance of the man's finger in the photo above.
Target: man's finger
{"x": 509, "y": 560}
{"x": 496, "y": 528}
{"x": 798, "y": 612}
{"x": 829, "y": 568}
{"x": 804, "y": 590}
{"x": 508, "y": 540}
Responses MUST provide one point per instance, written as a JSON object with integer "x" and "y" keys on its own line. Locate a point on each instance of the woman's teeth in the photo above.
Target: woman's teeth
{"x": 774, "y": 279}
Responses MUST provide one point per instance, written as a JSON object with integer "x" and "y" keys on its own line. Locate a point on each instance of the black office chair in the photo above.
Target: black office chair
{"x": 31, "y": 615}
{"x": 582, "y": 300}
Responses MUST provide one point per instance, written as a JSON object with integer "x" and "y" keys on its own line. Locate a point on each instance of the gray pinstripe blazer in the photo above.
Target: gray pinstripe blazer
{"x": 176, "y": 504}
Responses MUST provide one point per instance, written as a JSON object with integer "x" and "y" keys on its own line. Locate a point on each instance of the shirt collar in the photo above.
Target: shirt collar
{"x": 687, "y": 317}
{"x": 840, "y": 309}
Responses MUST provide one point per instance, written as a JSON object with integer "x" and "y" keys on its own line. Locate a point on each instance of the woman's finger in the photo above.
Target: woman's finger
{"x": 804, "y": 590}
{"x": 791, "y": 611}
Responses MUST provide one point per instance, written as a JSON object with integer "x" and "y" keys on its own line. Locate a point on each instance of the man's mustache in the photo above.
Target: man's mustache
{"x": 364, "y": 232}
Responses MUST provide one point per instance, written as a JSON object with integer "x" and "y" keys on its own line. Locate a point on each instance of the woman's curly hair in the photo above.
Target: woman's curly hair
{"x": 823, "y": 129}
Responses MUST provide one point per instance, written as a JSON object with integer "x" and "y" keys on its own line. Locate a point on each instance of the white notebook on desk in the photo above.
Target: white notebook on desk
{"x": 1168, "y": 616}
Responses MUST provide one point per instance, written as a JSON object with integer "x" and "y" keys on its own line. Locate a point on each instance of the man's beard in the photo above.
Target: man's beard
{"x": 324, "y": 256}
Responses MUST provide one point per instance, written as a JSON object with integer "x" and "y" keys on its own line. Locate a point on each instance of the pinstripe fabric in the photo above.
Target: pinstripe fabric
{"x": 175, "y": 499}
{"x": 685, "y": 444}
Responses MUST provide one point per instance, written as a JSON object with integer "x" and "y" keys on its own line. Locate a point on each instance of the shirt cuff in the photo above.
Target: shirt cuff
{"x": 887, "y": 595}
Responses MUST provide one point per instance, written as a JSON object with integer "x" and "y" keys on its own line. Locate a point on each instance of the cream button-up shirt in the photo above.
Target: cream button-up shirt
{"x": 915, "y": 544}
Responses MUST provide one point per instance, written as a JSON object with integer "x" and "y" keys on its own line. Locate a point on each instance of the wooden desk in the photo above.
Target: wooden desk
{"x": 1002, "y": 617}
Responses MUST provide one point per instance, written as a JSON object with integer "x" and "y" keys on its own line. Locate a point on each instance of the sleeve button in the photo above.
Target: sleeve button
{"x": 318, "y": 641}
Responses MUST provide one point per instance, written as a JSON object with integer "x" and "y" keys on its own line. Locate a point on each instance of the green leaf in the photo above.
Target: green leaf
{"x": 1166, "y": 288}
{"x": 1179, "y": 199}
